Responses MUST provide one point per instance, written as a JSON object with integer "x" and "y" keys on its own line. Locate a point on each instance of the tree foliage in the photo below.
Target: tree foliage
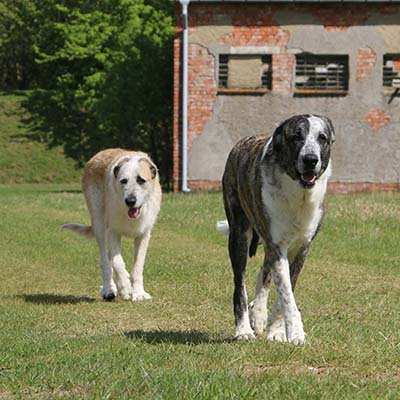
{"x": 101, "y": 73}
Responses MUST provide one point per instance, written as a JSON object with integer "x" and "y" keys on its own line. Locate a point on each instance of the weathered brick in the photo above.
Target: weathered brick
{"x": 377, "y": 119}
{"x": 366, "y": 60}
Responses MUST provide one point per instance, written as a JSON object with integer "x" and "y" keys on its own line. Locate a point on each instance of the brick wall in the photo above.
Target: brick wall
{"x": 257, "y": 26}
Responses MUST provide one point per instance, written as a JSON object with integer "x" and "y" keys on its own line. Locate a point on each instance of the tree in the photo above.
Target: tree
{"x": 108, "y": 77}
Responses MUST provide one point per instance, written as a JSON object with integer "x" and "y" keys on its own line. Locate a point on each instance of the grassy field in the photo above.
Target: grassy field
{"x": 23, "y": 159}
{"x": 59, "y": 340}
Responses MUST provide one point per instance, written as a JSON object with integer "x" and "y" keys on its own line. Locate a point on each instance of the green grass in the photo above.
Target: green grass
{"x": 59, "y": 340}
{"x": 24, "y": 159}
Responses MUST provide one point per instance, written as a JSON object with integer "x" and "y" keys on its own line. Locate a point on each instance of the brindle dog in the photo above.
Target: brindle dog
{"x": 273, "y": 191}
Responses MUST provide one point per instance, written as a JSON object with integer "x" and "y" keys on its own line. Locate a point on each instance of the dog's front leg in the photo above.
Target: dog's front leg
{"x": 141, "y": 245}
{"x": 121, "y": 274}
{"x": 108, "y": 290}
{"x": 293, "y": 323}
{"x": 276, "y": 329}
{"x": 258, "y": 307}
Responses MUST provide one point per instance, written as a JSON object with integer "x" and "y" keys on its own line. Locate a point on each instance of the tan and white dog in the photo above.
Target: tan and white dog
{"x": 123, "y": 195}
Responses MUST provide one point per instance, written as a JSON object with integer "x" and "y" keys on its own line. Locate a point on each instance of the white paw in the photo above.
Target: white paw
{"x": 258, "y": 318}
{"x": 125, "y": 292}
{"x": 140, "y": 295}
{"x": 245, "y": 337}
{"x": 244, "y": 333}
{"x": 295, "y": 332}
{"x": 108, "y": 292}
{"x": 276, "y": 331}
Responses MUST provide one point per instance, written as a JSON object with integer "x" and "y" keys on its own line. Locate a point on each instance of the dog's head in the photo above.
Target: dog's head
{"x": 302, "y": 145}
{"x": 134, "y": 179}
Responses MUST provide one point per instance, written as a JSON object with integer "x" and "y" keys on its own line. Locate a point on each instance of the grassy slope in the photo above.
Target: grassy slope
{"x": 60, "y": 341}
{"x": 23, "y": 160}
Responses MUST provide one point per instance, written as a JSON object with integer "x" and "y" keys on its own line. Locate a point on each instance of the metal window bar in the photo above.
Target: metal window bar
{"x": 391, "y": 77}
{"x": 322, "y": 73}
{"x": 266, "y": 76}
{"x": 223, "y": 71}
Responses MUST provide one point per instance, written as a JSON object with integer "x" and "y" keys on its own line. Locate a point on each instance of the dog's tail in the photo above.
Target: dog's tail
{"x": 83, "y": 230}
{"x": 223, "y": 227}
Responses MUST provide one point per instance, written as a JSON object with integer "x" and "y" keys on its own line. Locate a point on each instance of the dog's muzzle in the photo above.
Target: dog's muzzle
{"x": 133, "y": 212}
{"x": 309, "y": 175}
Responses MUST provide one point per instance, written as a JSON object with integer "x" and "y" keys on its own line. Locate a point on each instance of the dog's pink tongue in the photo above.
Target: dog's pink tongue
{"x": 310, "y": 178}
{"x": 133, "y": 212}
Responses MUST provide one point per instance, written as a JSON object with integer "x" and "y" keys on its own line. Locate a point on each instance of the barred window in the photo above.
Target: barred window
{"x": 244, "y": 72}
{"x": 322, "y": 74}
{"x": 391, "y": 71}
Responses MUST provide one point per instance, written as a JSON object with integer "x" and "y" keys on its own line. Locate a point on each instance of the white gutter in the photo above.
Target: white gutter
{"x": 185, "y": 90}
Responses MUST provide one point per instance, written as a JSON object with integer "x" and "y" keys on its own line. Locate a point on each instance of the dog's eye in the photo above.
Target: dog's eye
{"x": 140, "y": 180}
{"x": 322, "y": 138}
{"x": 298, "y": 134}
{"x": 123, "y": 181}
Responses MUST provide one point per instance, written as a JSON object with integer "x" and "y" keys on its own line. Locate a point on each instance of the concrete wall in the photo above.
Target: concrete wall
{"x": 367, "y": 148}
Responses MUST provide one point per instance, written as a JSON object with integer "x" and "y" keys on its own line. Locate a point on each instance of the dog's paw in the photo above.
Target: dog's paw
{"x": 276, "y": 332}
{"x": 140, "y": 296}
{"x": 245, "y": 337}
{"x": 298, "y": 337}
{"x": 125, "y": 293}
{"x": 258, "y": 318}
{"x": 108, "y": 293}
{"x": 295, "y": 332}
{"x": 244, "y": 333}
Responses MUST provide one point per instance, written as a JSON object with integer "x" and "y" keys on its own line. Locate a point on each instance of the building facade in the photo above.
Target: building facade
{"x": 254, "y": 64}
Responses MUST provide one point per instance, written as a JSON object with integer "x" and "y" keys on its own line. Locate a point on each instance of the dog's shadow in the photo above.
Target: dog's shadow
{"x": 174, "y": 337}
{"x": 49, "y": 298}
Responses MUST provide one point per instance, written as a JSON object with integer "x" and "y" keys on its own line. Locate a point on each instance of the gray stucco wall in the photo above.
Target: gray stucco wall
{"x": 360, "y": 154}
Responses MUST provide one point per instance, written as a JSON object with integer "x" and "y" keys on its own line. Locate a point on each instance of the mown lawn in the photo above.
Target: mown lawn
{"x": 59, "y": 340}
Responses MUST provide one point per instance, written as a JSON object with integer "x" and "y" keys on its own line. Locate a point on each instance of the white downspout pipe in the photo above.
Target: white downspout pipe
{"x": 185, "y": 92}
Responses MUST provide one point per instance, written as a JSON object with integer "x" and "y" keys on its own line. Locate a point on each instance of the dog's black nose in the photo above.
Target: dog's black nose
{"x": 310, "y": 160}
{"x": 130, "y": 201}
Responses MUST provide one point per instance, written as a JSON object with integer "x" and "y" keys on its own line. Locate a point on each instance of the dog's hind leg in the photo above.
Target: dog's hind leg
{"x": 297, "y": 265}
{"x": 258, "y": 307}
{"x": 121, "y": 274}
{"x": 238, "y": 252}
{"x": 141, "y": 245}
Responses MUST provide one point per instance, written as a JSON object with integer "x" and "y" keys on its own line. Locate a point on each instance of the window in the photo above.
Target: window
{"x": 322, "y": 74}
{"x": 391, "y": 71}
{"x": 244, "y": 73}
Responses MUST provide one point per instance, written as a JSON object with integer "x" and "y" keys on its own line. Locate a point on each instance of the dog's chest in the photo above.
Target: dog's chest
{"x": 293, "y": 212}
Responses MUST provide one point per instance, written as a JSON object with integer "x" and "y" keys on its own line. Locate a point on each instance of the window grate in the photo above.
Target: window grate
{"x": 223, "y": 71}
{"x": 322, "y": 73}
{"x": 265, "y": 73}
{"x": 391, "y": 71}
{"x": 266, "y": 76}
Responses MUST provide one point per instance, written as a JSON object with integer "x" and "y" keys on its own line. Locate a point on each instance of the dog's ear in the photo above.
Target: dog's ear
{"x": 116, "y": 170}
{"x": 118, "y": 166}
{"x": 277, "y": 138}
{"x": 330, "y": 128}
{"x": 148, "y": 169}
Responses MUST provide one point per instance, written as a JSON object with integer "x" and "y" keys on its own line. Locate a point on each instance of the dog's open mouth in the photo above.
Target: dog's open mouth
{"x": 308, "y": 179}
{"x": 133, "y": 212}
